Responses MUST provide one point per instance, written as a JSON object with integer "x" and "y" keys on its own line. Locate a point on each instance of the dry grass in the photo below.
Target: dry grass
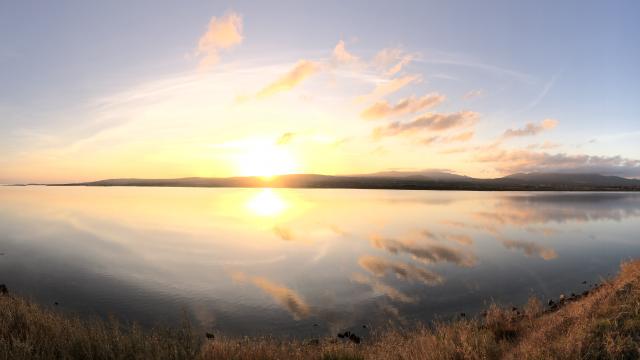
{"x": 603, "y": 325}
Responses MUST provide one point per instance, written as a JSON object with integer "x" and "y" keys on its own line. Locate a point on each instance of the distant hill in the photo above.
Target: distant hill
{"x": 572, "y": 179}
{"x": 436, "y": 175}
{"x": 424, "y": 180}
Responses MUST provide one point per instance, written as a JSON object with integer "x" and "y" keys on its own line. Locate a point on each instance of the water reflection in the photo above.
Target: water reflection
{"x": 255, "y": 261}
{"x": 284, "y": 296}
{"x": 266, "y": 203}
{"x": 425, "y": 251}
{"x": 379, "y": 267}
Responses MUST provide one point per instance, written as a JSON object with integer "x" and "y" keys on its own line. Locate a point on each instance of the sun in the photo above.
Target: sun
{"x": 266, "y": 161}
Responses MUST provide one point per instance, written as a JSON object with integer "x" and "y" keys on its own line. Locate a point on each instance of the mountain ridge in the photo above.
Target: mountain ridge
{"x": 396, "y": 180}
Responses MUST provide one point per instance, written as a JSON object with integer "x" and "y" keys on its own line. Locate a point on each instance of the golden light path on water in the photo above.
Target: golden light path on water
{"x": 267, "y": 202}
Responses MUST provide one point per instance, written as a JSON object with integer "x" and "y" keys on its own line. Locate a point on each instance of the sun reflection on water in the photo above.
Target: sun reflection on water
{"x": 267, "y": 202}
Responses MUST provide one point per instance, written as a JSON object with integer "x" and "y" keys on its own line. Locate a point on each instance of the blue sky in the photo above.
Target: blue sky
{"x": 512, "y": 63}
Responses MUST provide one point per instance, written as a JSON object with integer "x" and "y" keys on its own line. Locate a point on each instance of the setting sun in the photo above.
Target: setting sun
{"x": 266, "y": 161}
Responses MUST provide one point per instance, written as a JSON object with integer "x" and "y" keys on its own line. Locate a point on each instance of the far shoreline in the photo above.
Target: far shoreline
{"x": 428, "y": 180}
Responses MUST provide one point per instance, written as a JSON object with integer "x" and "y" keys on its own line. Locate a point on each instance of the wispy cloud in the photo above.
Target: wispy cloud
{"x": 301, "y": 71}
{"x": 547, "y": 145}
{"x": 542, "y": 94}
{"x": 392, "y": 60}
{"x": 222, "y": 33}
{"x": 473, "y": 94}
{"x": 408, "y": 105}
{"x": 462, "y": 137}
{"x": 388, "y": 87}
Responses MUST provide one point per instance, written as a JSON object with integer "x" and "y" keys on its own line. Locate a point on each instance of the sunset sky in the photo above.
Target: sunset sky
{"x": 162, "y": 89}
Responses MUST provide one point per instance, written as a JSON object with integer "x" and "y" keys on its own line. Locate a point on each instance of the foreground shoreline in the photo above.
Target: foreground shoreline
{"x": 601, "y": 323}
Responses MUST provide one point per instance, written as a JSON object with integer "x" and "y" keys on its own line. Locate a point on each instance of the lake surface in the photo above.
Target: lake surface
{"x": 305, "y": 262}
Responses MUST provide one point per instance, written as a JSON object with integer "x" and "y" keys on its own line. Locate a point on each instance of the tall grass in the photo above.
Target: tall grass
{"x": 603, "y": 325}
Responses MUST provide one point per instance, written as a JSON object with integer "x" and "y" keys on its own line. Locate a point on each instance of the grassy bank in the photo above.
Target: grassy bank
{"x": 604, "y": 324}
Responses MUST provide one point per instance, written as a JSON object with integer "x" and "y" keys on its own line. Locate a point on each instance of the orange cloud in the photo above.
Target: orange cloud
{"x": 302, "y": 70}
{"x": 409, "y": 105}
{"x": 531, "y": 129}
{"x": 222, "y": 33}
{"x": 341, "y": 55}
{"x": 428, "y": 122}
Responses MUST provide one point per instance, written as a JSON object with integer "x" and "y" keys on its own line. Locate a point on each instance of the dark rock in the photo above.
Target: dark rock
{"x": 514, "y": 309}
{"x": 55, "y": 303}
{"x": 584, "y": 282}
{"x": 585, "y": 293}
{"x": 354, "y": 338}
{"x": 463, "y": 315}
{"x": 315, "y": 325}
{"x": 341, "y": 335}
{"x": 210, "y": 336}
{"x": 3, "y": 289}
{"x": 364, "y": 326}
{"x": 551, "y": 302}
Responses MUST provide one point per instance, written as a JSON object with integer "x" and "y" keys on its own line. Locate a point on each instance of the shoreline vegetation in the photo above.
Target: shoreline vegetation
{"x": 603, "y": 323}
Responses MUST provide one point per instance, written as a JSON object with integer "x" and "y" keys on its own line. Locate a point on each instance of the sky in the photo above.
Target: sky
{"x": 161, "y": 89}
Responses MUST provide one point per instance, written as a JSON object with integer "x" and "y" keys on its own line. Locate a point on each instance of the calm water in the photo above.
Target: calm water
{"x": 305, "y": 262}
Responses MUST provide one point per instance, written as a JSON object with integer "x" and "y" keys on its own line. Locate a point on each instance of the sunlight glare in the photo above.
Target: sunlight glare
{"x": 266, "y": 162}
{"x": 266, "y": 203}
